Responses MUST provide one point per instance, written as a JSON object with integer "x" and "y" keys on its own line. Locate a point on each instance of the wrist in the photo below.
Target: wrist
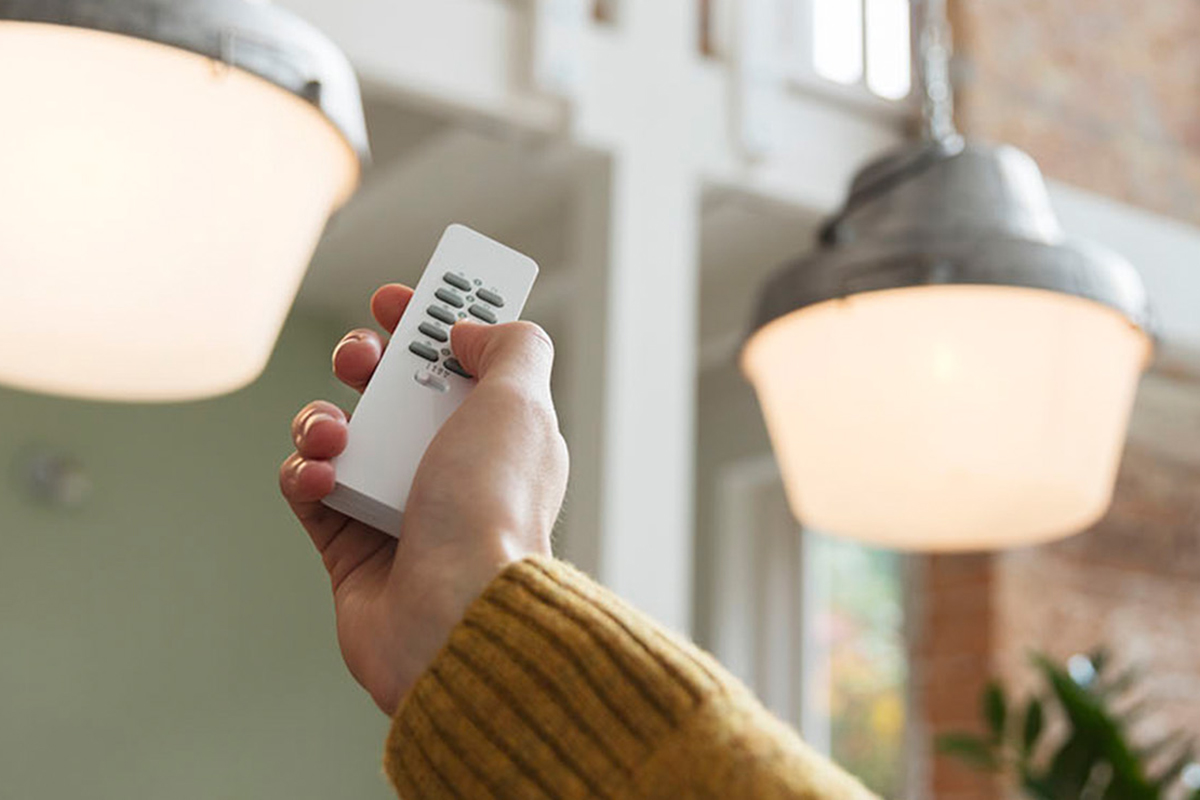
{"x": 436, "y": 595}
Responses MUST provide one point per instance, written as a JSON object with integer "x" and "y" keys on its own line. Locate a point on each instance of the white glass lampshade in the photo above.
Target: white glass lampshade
{"x": 949, "y": 417}
{"x": 157, "y": 213}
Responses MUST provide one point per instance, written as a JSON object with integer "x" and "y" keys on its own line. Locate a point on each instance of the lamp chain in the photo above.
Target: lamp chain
{"x": 934, "y": 47}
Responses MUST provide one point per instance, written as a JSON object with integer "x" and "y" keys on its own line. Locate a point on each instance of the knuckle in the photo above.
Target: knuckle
{"x": 531, "y": 331}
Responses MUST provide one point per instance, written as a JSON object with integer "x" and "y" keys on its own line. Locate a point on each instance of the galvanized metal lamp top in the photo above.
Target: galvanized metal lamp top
{"x": 947, "y": 212}
{"x": 259, "y": 38}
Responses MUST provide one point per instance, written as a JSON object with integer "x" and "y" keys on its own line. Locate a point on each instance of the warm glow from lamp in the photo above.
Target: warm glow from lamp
{"x": 157, "y": 214}
{"x": 949, "y": 417}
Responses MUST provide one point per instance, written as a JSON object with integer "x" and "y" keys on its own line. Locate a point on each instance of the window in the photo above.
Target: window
{"x": 856, "y": 43}
{"x": 862, "y": 45}
{"x": 854, "y": 666}
{"x": 813, "y": 624}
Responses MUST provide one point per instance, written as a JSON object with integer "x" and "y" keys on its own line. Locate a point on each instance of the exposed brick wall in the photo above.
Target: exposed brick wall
{"x": 1104, "y": 94}
{"x": 952, "y": 643}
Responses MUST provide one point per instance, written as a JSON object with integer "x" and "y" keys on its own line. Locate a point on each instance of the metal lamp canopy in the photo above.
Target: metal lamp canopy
{"x": 256, "y": 37}
{"x": 951, "y": 213}
{"x": 946, "y": 371}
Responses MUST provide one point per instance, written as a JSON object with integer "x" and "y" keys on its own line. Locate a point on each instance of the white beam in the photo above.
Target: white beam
{"x": 459, "y": 55}
{"x": 653, "y": 286}
{"x": 637, "y": 478}
{"x": 586, "y": 369}
{"x": 1165, "y": 251}
{"x": 817, "y": 144}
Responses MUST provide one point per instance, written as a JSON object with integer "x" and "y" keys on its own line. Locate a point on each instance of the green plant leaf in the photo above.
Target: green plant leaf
{"x": 1035, "y": 722}
{"x": 1096, "y": 734}
{"x": 970, "y": 749}
{"x": 1036, "y": 787}
{"x": 995, "y": 710}
{"x": 1067, "y": 774}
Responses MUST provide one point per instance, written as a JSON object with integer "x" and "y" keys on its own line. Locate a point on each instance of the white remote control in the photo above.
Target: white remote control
{"x": 418, "y": 384}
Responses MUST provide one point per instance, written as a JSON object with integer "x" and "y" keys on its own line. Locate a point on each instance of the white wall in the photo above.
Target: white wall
{"x": 173, "y": 638}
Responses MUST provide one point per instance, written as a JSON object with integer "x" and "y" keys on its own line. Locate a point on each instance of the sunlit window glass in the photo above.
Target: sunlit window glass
{"x": 889, "y": 66}
{"x": 855, "y": 662}
{"x": 838, "y": 40}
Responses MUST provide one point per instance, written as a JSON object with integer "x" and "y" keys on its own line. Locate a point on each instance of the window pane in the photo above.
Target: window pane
{"x": 855, "y": 660}
{"x": 838, "y": 39}
{"x": 889, "y": 64}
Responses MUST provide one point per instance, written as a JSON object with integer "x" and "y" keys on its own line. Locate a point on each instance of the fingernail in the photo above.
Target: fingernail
{"x": 299, "y": 469}
{"x": 313, "y": 420}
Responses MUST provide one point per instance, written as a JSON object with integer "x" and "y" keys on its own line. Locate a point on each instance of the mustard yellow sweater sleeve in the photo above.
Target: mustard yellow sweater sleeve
{"x": 552, "y": 687}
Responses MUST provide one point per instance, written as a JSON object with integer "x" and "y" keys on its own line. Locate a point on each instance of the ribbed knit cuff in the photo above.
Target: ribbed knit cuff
{"x": 550, "y": 686}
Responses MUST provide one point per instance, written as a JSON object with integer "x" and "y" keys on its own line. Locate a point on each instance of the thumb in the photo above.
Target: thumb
{"x": 516, "y": 351}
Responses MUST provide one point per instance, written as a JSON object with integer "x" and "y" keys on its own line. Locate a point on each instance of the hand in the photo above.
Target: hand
{"x": 487, "y": 493}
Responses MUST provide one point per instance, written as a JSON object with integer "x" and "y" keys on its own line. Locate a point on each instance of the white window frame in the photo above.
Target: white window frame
{"x": 755, "y": 564}
{"x": 793, "y": 54}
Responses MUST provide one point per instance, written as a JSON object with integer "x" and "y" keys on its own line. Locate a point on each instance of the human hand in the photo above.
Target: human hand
{"x": 487, "y": 493}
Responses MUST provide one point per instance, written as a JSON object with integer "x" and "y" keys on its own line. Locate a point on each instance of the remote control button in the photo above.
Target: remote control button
{"x": 457, "y": 368}
{"x": 424, "y": 351}
{"x": 491, "y": 297}
{"x": 442, "y": 315}
{"x": 482, "y": 313}
{"x": 457, "y": 281}
{"x": 447, "y": 296}
{"x": 433, "y": 331}
{"x": 427, "y": 378}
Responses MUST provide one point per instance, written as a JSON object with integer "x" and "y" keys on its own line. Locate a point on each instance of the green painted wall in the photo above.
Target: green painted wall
{"x": 173, "y": 637}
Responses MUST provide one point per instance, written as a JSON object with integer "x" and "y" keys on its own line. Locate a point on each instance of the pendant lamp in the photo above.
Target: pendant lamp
{"x": 166, "y": 169}
{"x": 946, "y": 371}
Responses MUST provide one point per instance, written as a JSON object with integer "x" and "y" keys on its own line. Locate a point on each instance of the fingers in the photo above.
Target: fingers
{"x": 356, "y": 357}
{"x": 304, "y": 482}
{"x": 357, "y": 354}
{"x": 388, "y": 304}
{"x": 319, "y": 433}
{"x": 517, "y": 351}
{"x": 319, "y": 430}
{"x": 347, "y": 547}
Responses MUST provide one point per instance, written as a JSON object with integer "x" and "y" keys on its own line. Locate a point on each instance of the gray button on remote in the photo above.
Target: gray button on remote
{"x": 442, "y": 315}
{"x": 457, "y": 281}
{"x": 491, "y": 297}
{"x": 454, "y": 366}
{"x": 433, "y": 331}
{"x": 482, "y": 313}
{"x": 447, "y": 296}
{"x": 424, "y": 351}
